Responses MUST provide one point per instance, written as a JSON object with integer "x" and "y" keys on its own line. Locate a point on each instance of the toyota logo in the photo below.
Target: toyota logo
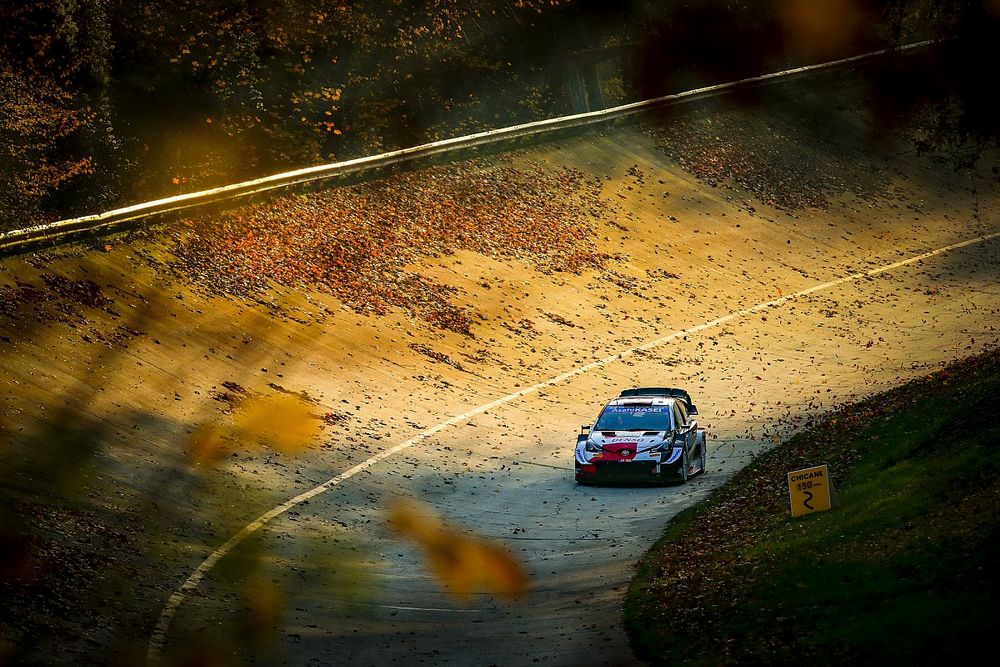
{"x": 626, "y": 452}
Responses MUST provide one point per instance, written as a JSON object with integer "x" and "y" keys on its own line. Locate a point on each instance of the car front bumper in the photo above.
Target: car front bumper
{"x": 625, "y": 472}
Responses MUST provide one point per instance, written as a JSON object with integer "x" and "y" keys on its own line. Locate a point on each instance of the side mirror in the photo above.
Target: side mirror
{"x": 585, "y": 429}
{"x": 692, "y": 409}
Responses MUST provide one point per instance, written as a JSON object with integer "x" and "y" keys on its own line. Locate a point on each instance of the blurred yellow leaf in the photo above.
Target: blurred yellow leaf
{"x": 504, "y": 574}
{"x": 207, "y": 444}
{"x": 264, "y": 604}
{"x": 463, "y": 562}
{"x": 821, "y": 27}
{"x": 283, "y": 422}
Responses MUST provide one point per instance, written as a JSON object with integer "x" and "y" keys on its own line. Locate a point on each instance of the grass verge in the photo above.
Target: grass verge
{"x": 904, "y": 571}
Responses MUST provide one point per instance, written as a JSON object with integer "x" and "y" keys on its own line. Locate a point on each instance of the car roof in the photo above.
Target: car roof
{"x": 643, "y": 400}
{"x": 673, "y": 392}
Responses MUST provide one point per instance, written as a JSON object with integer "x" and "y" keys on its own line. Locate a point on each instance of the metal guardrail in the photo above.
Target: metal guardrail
{"x": 16, "y": 240}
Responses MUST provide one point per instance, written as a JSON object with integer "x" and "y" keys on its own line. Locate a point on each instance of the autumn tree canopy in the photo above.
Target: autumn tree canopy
{"x": 104, "y": 102}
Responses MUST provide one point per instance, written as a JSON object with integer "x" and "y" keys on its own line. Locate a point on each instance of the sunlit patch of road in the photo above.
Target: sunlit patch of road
{"x": 728, "y": 463}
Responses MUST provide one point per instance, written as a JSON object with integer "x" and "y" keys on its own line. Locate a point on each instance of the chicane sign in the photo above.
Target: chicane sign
{"x": 810, "y": 490}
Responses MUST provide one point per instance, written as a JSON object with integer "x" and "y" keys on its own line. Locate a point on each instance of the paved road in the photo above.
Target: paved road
{"x": 507, "y": 475}
{"x": 140, "y": 376}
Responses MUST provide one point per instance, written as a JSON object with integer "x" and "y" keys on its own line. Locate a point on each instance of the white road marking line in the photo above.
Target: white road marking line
{"x": 452, "y": 611}
{"x": 405, "y": 608}
{"x": 158, "y": 637}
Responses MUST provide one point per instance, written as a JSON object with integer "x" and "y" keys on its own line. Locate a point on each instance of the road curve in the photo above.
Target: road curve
{"x": 580, "y": 543}
{"x": 394, "y": 453}
{"x": 783, "y": 313}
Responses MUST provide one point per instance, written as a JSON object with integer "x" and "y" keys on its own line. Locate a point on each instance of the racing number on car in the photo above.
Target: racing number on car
{"x": 809, "y": 490}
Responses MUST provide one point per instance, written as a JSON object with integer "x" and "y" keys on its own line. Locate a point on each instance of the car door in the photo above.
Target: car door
{"x": 685, "y": 429}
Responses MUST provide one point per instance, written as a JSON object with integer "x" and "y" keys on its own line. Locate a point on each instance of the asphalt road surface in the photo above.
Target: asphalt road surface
{"x": 327, "y": 582}
{"x": 508, "y": 475}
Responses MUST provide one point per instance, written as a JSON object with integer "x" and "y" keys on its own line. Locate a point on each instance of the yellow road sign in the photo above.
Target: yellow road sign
{"x": 810, "y": 490}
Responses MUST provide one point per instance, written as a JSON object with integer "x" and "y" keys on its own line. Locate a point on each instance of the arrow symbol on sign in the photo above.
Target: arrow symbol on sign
{"x": 809, "y": 496}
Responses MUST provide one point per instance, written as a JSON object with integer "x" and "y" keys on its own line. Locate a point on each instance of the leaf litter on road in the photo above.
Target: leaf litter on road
{"x": 359, "y": 243}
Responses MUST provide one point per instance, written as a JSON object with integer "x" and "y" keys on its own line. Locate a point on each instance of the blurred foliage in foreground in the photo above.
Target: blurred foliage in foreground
{"x": 904, "y": 572}
{"x": 104, "y": 102}
{"x": 463, "y": 562}
{"x": 87, "y": 560}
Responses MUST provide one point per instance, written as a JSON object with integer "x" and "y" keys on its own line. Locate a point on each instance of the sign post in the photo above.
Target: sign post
{"x": 810, "y": 490}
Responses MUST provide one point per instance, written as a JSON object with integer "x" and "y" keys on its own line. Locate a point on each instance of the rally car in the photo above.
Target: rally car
{"x": 647, "y": 434}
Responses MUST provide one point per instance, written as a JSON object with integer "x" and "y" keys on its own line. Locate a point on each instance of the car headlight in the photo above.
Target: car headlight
{"x": 666, "y": 445}
{"x": 592, "y": 446}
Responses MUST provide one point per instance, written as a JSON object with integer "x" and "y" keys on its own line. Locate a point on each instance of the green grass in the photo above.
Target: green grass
{"x": 902, "y": 572}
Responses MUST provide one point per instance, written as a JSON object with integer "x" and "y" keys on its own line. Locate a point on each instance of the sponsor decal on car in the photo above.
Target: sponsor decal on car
{"x": 674, "y": 454}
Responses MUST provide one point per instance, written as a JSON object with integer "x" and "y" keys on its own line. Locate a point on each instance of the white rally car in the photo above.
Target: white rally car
{"x": 648, "y": 434}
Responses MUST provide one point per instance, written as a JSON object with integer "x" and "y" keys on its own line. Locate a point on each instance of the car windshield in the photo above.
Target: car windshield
{"x": 634, "y": 418}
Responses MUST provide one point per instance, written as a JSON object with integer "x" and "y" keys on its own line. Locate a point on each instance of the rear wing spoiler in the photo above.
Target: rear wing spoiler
{"x": 669, "y": 392}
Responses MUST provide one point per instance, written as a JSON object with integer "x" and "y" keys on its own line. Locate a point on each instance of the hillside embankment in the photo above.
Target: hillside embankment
{"x": 901, "y": 572}
{"x": 386, "y": 308}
